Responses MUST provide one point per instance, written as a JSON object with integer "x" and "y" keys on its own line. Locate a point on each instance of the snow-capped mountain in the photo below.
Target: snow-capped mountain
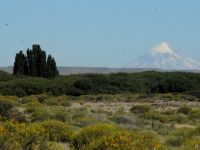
{"x": 163, "y": 57}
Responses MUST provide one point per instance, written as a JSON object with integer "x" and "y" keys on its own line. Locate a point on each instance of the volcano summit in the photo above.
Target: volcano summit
{"x": 164, "y": 57}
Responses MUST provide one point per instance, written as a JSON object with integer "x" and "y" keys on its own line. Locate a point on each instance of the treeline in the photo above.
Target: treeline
{"x": 145, "y": 82}
{"x": 34, "y": 63}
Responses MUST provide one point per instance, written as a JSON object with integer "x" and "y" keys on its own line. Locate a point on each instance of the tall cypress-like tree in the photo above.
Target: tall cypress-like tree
{"x": 51, "y": 69}
{"x": 19, "y": 64}
{"x": 26, "y": 66}
{"x": 29, "y": 60}
{"x": 37, "y": 61}
{"x": 41, "y": 64}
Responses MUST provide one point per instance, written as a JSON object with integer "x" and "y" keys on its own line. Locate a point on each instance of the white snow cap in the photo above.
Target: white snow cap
{"x": 162, "y": 48}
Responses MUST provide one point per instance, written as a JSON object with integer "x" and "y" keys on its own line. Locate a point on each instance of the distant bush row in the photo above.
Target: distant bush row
{"x": 145, "y": 82}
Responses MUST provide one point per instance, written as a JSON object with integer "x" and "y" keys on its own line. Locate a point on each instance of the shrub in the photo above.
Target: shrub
{"x": 179, "y": 136}
{"x": 191, "y": 144}
{"x": 179, "y": 118}
{"x": 87, "y": 134}
{"x": 195, "y": 114}
{"x": 125, "y": 140}
{"x": 21, "y": 136}
{"x": 57, "y": 131}
{"x": 155, "y": 116}
{"x": 175, "y": 141}
{"x": 197, "y": 131}
{"x": 57, "y": 146}
{"x": 41, "y": 115}
{"x": 63, "y": 116}
{"x": 184, "y": 110}
{"x": 20, "y": 92}
{"x": 58, "y": 101}
{"x": 85, "y": 121}
{"x": 84, "y": 84}
{"x": 118, "y": 141}
{"x": 140, "y": 109}
{"x": 169, "y": 112}
{"x": 6, "y": 106}
{"x": 122, "y": 119}
{"x": 51, "y": 101}
{"x": 18, "y": 115}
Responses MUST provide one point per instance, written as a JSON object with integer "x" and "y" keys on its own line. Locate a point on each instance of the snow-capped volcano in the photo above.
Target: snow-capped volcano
{"x": 163, "y": 57}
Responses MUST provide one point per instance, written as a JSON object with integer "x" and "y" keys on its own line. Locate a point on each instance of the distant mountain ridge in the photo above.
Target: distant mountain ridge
{"x": 164, "y": 58}
{"x": 101, "y": 70}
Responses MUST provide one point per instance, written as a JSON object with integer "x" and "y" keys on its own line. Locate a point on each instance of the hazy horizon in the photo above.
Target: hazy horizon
{"x": 98, "y": 33}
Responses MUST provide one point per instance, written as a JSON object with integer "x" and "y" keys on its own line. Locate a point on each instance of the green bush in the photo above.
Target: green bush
{"x": 84, "y": 84}
{"x": 140, "y": 109}
{"x": 59, "y": 101}
{"x": 185, "y": 110}
{"x": 121, "y": 119}
{"x": 41, "y": 115}
{"x": 195, "y": 115}
{"x": 6, "y": 106}
{"x": 38, "y": 112}
{"x": 155, "y": 116}
{"x": 179, "y": 118}
{"x": 197, "y": 131}
{"x": 5, "y": 76}
{"x": 175, "y": 141}
{"x": 62, "y": 115}
{"x": 169, "y": 112}
{"x": 180, "y": 136}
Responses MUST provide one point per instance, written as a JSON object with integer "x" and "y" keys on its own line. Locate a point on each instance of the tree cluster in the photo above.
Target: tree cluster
{"x": 35, "y": 63}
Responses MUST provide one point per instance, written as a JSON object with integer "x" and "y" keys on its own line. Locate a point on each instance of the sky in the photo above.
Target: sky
{"x": 98, "y": 33}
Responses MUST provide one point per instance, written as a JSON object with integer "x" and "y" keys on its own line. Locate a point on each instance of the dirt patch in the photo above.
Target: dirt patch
{"x": 178, "y": 126}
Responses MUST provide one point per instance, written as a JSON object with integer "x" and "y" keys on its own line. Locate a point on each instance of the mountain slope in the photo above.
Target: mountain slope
{"x": 163, "y": 57}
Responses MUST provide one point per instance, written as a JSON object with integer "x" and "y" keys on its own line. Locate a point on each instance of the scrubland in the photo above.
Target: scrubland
{"x": 100, "y": 122}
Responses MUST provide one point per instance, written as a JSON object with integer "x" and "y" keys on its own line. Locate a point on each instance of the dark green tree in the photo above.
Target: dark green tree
{"x": 31, "y": 63}
{"x": 41, "y": 64}
{"x": 39, "y": 58}
{"x": 20, "y": 64}
{"x": 51, "y": 69}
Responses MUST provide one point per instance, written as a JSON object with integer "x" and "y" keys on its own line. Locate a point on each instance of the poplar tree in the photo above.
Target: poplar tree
{"x": 51, "y": 69}
{"x": 19, "y": 64}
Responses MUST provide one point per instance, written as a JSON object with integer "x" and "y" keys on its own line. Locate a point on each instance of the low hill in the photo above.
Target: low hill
{"x": 8, "y": 69}
{"x": 101, "y": 70}
{"x": 4, "y": 76}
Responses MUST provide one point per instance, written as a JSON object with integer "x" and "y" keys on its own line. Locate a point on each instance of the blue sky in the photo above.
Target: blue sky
{"x": 107, "y": 33}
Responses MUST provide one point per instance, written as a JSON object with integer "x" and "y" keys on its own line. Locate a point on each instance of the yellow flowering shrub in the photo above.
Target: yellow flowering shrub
{"x": 57, "y": 131}
{"x": 2, "y": 129}
{"x": 125, "y": 140}
{"x": 88, "y": 134}
{"x": 191, "y": 144}
{"x": 14, "y": 135}
{"x": 13, "y": 98}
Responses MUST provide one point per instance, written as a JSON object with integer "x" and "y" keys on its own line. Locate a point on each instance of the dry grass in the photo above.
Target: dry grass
{"x": 178, "y": 126}
{"x": 159, "y": 105}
